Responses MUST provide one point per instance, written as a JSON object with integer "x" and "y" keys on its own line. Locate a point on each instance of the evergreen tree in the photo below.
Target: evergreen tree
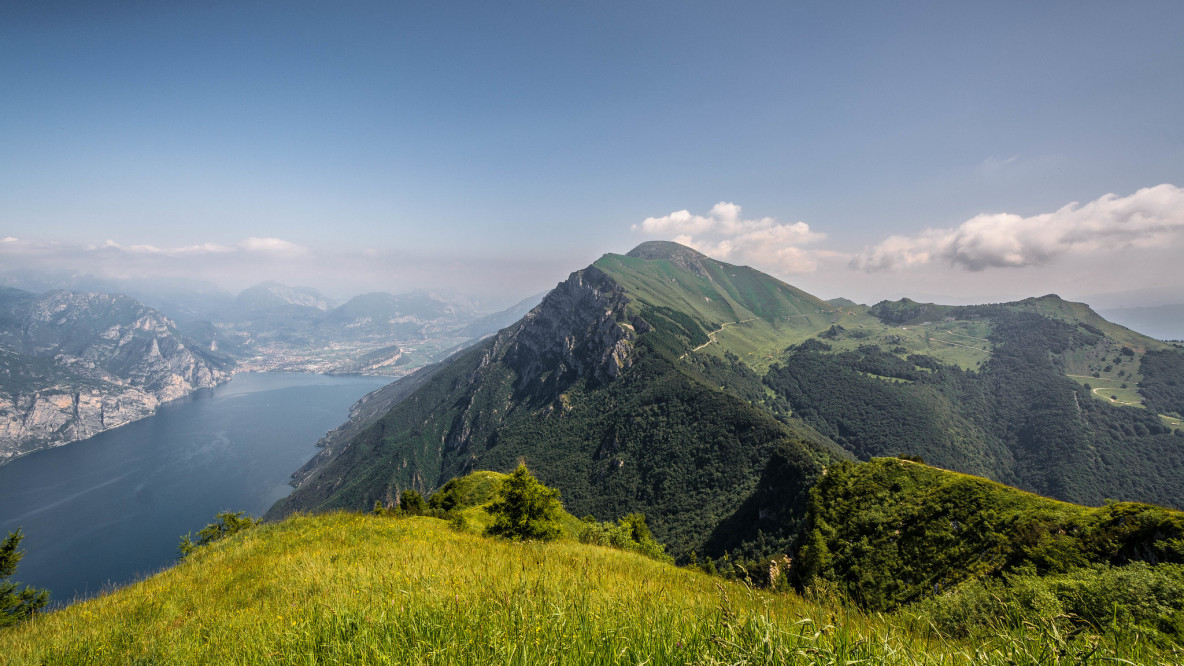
{"x": 412, "y": 503}
{"x": 16, "y": 606}
{"x": 525, "y": 509}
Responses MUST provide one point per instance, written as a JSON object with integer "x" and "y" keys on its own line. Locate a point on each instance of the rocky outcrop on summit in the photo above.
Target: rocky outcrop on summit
{"x": 75, "y": 364}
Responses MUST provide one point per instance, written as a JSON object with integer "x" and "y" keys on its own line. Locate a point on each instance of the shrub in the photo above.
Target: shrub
{"x": 227, "y": 523}
{"x": 1135, "y": 599}
{"x": 628, "y": 533}
{"x": 412, "y": 503}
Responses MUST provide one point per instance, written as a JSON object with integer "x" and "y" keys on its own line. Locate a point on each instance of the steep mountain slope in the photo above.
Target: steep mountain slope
{"x": 75, "y": 364}
{"x": 709, "y": 396}
{"x": 590, "y": 389}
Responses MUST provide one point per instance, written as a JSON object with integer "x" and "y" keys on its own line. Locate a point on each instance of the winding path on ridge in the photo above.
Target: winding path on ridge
{"x": 711, "y": 334}
{"x": 1095, "y": 390}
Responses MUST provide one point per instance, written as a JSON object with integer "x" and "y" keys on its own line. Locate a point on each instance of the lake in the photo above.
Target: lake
{"x": 110, "y": 509}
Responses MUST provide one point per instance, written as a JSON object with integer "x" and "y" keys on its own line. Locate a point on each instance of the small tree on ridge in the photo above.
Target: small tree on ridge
{"x": 523, "y": 508}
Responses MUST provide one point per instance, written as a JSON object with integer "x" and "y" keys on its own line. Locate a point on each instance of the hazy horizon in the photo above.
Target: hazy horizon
{"x": 871, "y": 151}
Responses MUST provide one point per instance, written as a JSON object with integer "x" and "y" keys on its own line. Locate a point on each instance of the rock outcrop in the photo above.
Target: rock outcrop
{"x": 75, "y": 364}
{"x": 580, "y": 330}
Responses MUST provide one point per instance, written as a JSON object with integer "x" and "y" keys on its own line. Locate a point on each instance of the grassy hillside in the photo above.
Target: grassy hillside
{"x": 348, "y": 588}
{"x": 735, "y": 309}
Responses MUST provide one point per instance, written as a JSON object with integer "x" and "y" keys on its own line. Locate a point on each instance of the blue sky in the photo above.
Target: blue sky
{"x": 863, "y": 149}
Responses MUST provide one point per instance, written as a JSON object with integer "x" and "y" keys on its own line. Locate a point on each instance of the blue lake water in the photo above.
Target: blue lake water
{"x": 110, "y": 509}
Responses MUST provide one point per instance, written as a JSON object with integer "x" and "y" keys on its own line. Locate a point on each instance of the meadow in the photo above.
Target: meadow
{"x": 352, "y": 588}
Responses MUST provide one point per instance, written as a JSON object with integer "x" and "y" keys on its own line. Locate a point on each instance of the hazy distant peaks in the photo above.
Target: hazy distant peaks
{"x": 270, "y": 294}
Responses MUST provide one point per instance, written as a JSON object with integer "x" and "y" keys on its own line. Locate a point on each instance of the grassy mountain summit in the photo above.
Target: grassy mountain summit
{"x": 711, "y": 396}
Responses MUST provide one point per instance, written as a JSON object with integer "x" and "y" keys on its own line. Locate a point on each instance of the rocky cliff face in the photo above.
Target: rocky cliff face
{"x": 579, "y": 330}
{"x": 75, "y": 364}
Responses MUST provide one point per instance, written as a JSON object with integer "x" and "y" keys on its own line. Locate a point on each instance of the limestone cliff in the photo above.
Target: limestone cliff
{"x": 75, "y": 364}
{"x": 580, "y": 332}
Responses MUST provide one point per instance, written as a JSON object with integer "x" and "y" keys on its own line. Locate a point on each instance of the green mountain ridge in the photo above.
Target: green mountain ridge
{"x": 711, "y": 397}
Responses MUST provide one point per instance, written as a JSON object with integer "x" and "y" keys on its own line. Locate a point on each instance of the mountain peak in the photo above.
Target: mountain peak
{"x": 679, "y": 255}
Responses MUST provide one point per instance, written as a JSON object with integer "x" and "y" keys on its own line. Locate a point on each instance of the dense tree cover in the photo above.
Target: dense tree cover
{"x": 847, "y": 398}
{"x": 660, "y": 440}
{"x": 524, "y": 509}
{"x": 1019, "y": 420}
{"x": 16, "y": 603}
{"x": 1163, "y": 381}
{"x": 891, "y": 532}
{"x": 907, "y": 310}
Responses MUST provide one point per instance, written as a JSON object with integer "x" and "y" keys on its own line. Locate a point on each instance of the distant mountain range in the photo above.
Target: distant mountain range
{"x": 272, "y": 326}
{"x": 711, "y": 397}
{"x": 75, "y": 364}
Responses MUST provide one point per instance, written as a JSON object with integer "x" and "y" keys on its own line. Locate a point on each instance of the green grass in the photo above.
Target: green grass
{"x": 748, "y": 313}
{"x": 349, "y": 588}
{"x": 1111, "y": 390}
{"x": 960, "y": 343}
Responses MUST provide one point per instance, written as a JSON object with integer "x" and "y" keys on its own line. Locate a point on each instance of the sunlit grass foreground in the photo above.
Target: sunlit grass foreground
{"x": 347, "y": 588}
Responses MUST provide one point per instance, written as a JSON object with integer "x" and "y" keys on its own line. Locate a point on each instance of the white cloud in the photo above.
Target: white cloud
{"x": 1148, "y": 218}
{"x": 272, "y": 246}
{"x": 199, "y": 249}
{"x": 724, "y": 234}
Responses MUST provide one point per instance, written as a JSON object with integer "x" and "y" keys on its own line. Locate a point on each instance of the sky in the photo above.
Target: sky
{"x": 961, "y": 152}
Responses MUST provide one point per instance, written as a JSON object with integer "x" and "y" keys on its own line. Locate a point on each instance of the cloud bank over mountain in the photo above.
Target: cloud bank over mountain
{"x": 1151, "y": 217}
{"x": 1110, "y": 244}
{"x": 724, "y": 234}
